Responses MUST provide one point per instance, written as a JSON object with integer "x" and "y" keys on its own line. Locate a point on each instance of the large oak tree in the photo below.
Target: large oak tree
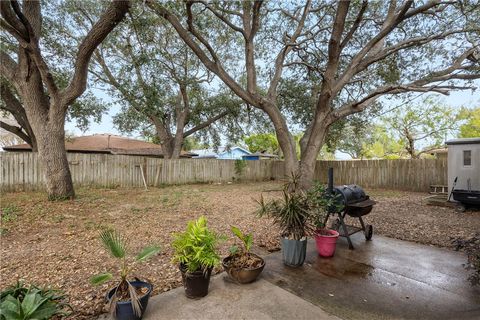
{"x": 352, "y": 53}
{"x": 164, "y": 91}
{"x": 44, "y": 100}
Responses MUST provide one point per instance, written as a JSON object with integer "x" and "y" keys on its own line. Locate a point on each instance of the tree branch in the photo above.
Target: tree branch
{"x": 355, "y": 25}
{"x": 15, "y": 108}
{"x": 214, "y": 67}
{"x": 11, "y": 18}
{"x": 107, "y": 22}
{"x": 16, "y": 131}
{"x": 280, "y": 59}
{"x": 7, "y": 27}
{"x": 8, "y": 67}
{"x": 205, "y": 124}
{"x": 222, "y": 17}
{"x": 197, "y": 35}
{"x": 32, "y": 45}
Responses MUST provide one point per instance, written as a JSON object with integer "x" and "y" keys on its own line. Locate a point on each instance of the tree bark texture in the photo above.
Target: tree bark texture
{"x": 44, "y": 103}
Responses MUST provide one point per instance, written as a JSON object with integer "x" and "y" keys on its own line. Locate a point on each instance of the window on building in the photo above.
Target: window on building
{"x": 467, "y": 157}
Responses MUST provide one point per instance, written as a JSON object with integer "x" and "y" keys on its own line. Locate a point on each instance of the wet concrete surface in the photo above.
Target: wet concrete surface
{"x": 381, "y": 279}
{"x": 260, "y": 300}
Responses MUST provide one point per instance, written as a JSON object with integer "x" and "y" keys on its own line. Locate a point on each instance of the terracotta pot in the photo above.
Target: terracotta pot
{"x": 243, "y": 275}
{"x": 326, "y": 241}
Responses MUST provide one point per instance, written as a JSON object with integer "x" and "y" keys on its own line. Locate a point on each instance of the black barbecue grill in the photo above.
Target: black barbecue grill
{"x": 349, "y": 200}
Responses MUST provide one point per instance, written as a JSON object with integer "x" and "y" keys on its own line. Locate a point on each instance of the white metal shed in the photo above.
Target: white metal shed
{"x": 464, "y": 163}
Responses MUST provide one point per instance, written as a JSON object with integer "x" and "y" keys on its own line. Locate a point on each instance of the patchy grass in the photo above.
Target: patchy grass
{"x": 56, "y": 243}
{"x": 9, "y": 213}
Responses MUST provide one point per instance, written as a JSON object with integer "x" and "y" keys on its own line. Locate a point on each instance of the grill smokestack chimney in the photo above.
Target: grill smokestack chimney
{"x": 330, "y": 180}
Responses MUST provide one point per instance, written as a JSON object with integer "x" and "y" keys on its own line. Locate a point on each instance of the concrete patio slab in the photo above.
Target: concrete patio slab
{"x": 381, "y": 279}
{"x": 226, "y": 300}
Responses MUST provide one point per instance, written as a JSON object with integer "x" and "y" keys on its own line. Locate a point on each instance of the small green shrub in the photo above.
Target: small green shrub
{"x": 9, "y": 213}
{"x": 20, "y": 302}
{"x": 240, "y": 166}
{"x": 319, "y": 202}
{"x": 196, "y": 248}
{"x": 116, "y": 245}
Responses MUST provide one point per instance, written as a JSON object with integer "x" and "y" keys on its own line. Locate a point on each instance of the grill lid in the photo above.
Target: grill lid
{"x": 350, "y": 194}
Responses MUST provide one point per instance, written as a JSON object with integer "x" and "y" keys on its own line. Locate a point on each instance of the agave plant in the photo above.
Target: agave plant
{"x": 22, "y": 303}
{"x": 116, "y": 245}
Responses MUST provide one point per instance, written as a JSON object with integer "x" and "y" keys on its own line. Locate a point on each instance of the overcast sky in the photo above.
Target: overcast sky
{"x": 456, "y": 99}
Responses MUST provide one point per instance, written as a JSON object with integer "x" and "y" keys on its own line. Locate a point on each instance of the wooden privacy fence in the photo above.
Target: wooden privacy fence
{"x": 22, "y": 171}
{"x": 401, "y": 174}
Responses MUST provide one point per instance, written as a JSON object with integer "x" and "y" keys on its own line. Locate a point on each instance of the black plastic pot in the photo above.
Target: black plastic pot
{"x": 124, "y": 310}
{"x": 294, "y": 252}
{"x": 195, "y": 283}
{"x": 243, "y": 275}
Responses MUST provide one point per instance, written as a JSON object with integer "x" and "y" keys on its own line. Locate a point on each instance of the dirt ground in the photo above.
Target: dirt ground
{"x": 56, "y": 243}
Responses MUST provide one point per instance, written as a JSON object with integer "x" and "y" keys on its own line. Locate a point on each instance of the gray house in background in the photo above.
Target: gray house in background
{"x": 464, "y": 163}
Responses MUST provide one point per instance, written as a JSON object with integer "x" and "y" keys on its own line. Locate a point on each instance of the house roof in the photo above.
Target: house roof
{"x": 262, "y": 154}
{"x": 204, "y": 153}
{"x": 227, "y": 150}
{"x": 464, "y": 141}
{"x": 107, "y": 143}
{"x": 438, "y": 151}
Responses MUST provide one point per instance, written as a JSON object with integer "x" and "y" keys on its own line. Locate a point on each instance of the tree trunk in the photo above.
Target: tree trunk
{"x": 172, "y": 148}
{"x": 44, "y": 102}
{"x": 411, "y": 145}
{"x": 48, "y": 129}
{"x": 310, "y": 151}
{"x": 284, "y": 138}
{"x": 52, "y": 153}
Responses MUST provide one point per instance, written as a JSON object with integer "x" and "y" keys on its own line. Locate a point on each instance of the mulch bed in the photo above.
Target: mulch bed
{"x": 56, "y": 243}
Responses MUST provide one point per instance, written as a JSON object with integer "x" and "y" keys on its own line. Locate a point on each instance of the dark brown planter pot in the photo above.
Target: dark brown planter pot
{"x": 243, "y": 275}
{"x": 195, "y": 283}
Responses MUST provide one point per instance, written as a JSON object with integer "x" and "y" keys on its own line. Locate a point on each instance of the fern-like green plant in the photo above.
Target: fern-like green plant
{"x": 117, "y": 246}
{"x": 196, "y": 248}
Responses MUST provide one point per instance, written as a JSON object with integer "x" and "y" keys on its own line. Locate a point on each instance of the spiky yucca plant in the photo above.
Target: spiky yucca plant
{"x": 291, "y": 213}
{"x": 116, "y": 245}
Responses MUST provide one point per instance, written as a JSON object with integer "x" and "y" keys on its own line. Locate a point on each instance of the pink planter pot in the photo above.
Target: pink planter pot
{"x": 326, "y": 241}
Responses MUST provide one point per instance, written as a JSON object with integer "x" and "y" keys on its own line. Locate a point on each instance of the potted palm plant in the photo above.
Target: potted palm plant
{"x": 129, "y": 299}
{"x": 319, "y": 201}
{"x": 292, "y": 215}
{"x": 242, "y": 265}
{"x": 196, "y": 253}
